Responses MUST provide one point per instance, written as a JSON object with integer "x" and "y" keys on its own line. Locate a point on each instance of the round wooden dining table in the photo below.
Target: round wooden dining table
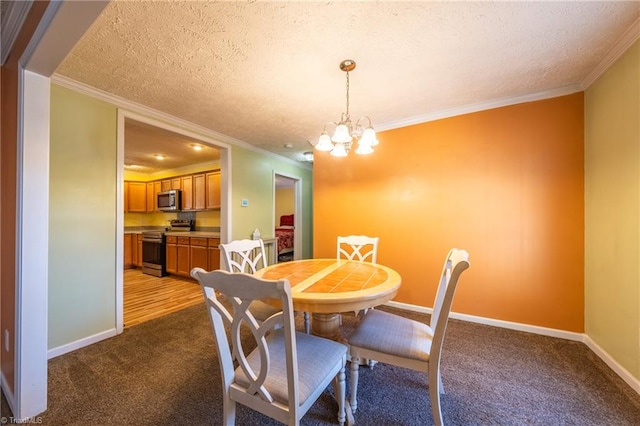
{"x": 328, "y": 287}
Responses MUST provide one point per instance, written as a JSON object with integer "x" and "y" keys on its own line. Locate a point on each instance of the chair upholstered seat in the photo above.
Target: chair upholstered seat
{"x": 410, "y": 339}
{"x": 267, "y": 365}
{"x": 396, "y": 340}
{"x": 312, "y": 351}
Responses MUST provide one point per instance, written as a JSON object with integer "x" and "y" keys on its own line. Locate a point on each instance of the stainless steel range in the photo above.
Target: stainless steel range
{"x": 154, "y": 253}
{"x": 154, "y": 247}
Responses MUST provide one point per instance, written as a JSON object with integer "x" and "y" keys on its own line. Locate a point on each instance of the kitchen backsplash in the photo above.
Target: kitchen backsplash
{"x": 205, "y": 220}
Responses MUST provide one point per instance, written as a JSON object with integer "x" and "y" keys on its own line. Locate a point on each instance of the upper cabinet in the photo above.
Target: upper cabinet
{"x": 187, "y": 192}
{"x": 213, "y": 190}
{"x": 200, "y": 191}
{"x": 152, "y": 195}
{"x": 135, "y": 194}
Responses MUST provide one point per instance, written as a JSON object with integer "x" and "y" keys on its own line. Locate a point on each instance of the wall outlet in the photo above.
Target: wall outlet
{"x": 6, "y": 340}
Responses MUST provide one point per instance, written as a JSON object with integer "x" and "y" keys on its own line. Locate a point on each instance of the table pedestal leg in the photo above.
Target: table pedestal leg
{"x": 328, "y": 326}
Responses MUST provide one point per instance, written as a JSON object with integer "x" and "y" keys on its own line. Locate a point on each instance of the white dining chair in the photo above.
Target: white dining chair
{"x": 248, "y": 256}
{"x": 403, "y": 342}
{"x": 286, "y": 371}
{"x": 358, "y": 247}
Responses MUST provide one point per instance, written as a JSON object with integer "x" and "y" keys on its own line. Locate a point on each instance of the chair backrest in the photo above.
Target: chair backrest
{"x": 358, "y": 247}
{"x": 239, "y": 290}
{"x": 457, "y": 261}
{"x": 244, "y": 256}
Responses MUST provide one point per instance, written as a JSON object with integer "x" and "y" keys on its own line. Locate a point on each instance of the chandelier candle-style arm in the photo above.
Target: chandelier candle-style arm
{"x": 340, "y": 143}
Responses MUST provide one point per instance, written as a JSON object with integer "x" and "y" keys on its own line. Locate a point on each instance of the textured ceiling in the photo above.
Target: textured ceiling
{"x": 143, "y": 142}
{"x": 266, "y": 73}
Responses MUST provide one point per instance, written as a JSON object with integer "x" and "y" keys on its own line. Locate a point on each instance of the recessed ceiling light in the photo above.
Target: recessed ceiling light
{"x": 159, "y": 156}
{"x": 196, "y": 147}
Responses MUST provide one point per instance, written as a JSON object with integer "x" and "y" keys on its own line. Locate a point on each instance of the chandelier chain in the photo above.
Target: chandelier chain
{"x": 347, "y": 117}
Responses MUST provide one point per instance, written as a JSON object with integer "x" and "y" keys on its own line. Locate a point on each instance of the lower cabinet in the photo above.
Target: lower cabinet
{"x": 184, "y": 258}
{"x": 199, "y": 258}
{"x": 214, "y": 253}
{"x": 186, "y": 253}
{"x": 132, "y": 251}
{"x": 172, "y": 255}
{"x": 128, "y": 257}
{"x": 138, "y": 249}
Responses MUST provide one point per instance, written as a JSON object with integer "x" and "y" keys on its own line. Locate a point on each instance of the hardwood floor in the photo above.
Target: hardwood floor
{"x": 147, "y": 297}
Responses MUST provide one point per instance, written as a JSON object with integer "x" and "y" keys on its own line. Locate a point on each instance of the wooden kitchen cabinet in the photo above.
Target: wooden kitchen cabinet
{"x": 172, "y": 255}
{"x": 138, "y": 249}
{"x": 128, "y": 262}
{"x": 125, "y": 188}
{"x": 133, "y": 246}
{"x": 152, "y": 195}
{"x": 214, "y": 253}
{"x": 176, "y": 183}
{"x": 199, "y": 192}
{"x": 136, "y": 197}
{"x": 186, "y": 253}
{"x": 184, "y": 261}
{"x": 187, "y": 192}
{"x": 212, "y": 200}
{"x": 199, "y": 254}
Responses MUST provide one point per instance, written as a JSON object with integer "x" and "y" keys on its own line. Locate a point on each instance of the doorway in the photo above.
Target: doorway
{"x": 134, "y": 132}
{"x": 287, "y": 216}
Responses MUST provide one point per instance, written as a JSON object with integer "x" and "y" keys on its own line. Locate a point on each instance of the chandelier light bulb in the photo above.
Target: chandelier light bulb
{"x": 341, "y": 134}
{"x": 364, "y": 149}
{"x": 368, "y": 137}
{"x": 324, "y": 143}
{"x": 339, "y": 151}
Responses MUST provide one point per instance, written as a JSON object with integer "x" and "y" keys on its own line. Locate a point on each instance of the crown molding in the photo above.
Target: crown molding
{"x": 624, "y": 42}
{"x": 482, "y": 106}
{"x": 162, "y": 116}
{"x": 12, "y": 20}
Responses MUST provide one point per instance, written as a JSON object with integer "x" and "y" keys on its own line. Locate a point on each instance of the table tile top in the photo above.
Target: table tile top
{"x": 328, "y": 275}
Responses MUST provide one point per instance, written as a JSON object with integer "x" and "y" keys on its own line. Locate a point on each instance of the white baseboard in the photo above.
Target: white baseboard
{"x": 86, "y": 341}
{"x": 568, "y": 335}
{"x": 617, "y": 368}
{"x": 7, "y": 393}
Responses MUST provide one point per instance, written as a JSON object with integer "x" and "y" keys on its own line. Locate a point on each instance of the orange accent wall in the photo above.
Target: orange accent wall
{"x": 506, "y": 184}
{"x": 8, "y": 185}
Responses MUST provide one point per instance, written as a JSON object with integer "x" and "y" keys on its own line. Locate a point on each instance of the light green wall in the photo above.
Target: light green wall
{"x": 82, "y": 217}
{"x": 252, "y": 176}
{"x": 612, "y": 211}
{"x": 82, "y": 221}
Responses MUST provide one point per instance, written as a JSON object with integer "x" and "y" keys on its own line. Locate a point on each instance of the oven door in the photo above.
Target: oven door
{"x": 154, "y": 256}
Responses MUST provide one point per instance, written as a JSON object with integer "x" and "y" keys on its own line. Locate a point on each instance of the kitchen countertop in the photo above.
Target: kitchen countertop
{"x": 203, "y": 234}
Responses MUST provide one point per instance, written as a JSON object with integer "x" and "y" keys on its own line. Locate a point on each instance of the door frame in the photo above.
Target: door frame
{"x": 225, "y": 191}
{"x": 297, "y": 211}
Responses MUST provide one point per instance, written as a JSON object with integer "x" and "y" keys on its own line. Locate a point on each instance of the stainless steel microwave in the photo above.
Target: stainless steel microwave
{"x": 169, "y": 201}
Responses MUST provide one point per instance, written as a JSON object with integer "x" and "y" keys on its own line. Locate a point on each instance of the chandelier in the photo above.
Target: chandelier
{"x": 345, "y": 132}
